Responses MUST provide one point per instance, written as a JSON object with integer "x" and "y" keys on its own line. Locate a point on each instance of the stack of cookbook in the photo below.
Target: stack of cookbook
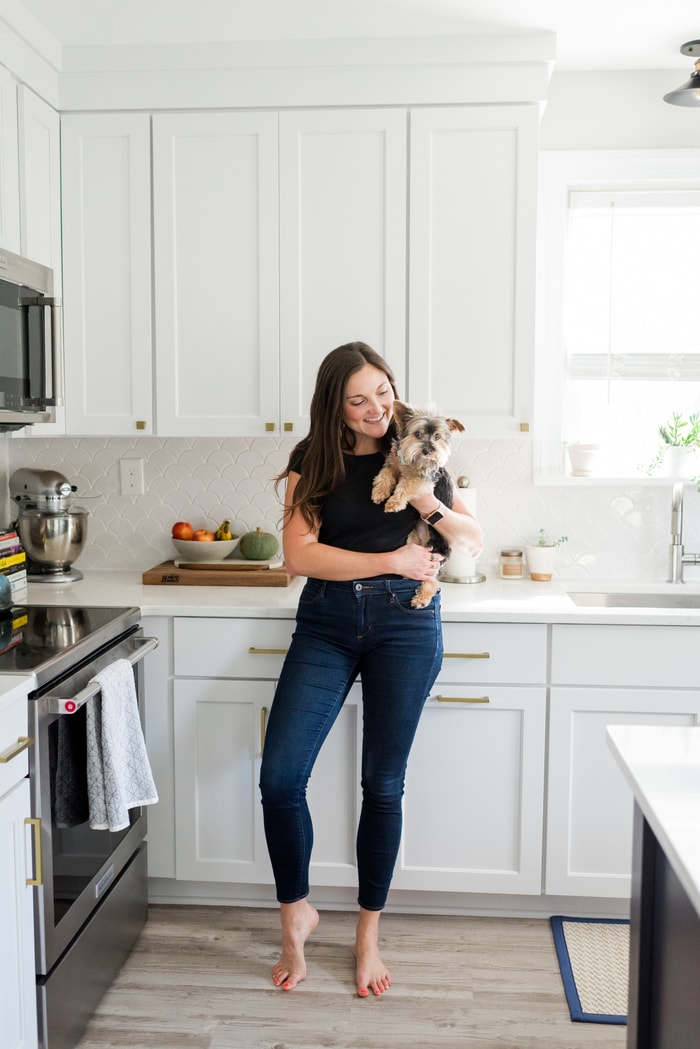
{"x": 13, "y": 565}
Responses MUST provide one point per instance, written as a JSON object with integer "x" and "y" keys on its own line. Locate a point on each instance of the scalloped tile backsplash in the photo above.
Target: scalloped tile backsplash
{"x": 614, "y": 533}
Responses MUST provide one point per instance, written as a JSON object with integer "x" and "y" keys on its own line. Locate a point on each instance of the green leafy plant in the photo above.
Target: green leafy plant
{"x": 544, "y": 540}
{"x": 676, "y": 432}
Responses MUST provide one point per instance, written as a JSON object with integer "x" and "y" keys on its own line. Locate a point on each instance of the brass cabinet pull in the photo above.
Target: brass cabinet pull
{"x": 263, "y": 728}
{"x": 253, "y": 651}
{"x": 38, "y": 866}
{"x": 23, "y": 742}
{"x": 466, "y": 655}
{"x": 463, "y": 699}
{"x": 269, "y": 427}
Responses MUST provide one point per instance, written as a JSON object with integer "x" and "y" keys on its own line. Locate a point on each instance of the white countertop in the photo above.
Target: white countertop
{"x": 662, "y": 766}
{"x": 495, "y": 600}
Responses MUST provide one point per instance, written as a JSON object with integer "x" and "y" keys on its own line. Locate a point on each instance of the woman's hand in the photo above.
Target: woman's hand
{"x": 416, "y": 562}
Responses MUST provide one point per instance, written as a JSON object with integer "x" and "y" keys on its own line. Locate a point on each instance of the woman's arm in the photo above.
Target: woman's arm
{"x": 305, "y": 556}
{"x": 458, "y": 525}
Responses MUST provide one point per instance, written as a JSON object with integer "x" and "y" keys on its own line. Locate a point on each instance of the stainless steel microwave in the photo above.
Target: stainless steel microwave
{"x": 31, "y": 375}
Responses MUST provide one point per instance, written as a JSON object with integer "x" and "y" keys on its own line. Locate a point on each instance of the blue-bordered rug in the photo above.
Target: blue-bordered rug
{"x": 593, "y": 958}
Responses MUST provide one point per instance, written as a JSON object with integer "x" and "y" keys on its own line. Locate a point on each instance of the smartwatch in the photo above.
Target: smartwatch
{"x": 437, "y": 515}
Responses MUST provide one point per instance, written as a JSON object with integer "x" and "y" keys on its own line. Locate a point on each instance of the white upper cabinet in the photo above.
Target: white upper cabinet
{"x": 342, "y": 244}
{"x": 107, "y": 273}
{"x": 9, "y": 166}
{"x": 473, "y": 191}
{"x": 216, "y": 237}
{"x": 40, "y": 182}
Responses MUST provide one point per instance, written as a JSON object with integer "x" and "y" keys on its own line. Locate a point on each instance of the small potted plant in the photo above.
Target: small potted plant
{"x": 541, "y": 556}
{"x": 678, "y": 452}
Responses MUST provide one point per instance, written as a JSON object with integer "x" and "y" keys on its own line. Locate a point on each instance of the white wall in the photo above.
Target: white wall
{"x": 618, "y": 110}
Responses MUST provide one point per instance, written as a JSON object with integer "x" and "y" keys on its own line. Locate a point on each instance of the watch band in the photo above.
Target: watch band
{"x": 435, "y": 516}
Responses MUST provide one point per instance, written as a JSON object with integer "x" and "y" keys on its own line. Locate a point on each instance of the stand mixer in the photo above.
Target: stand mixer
{"x": 52, "y": 532}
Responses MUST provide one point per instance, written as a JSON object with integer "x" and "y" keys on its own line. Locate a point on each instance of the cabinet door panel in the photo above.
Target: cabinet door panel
{"x": 107, "y": 273}
{"x": 17, "y": 978}
{"x": 334, "y": 799}
{"x": 474, "y": 796}
{"x": 9, "y": 168}
{"x": 589, "y": 804}
{"x": 216, "y": 273}
{"x": 342, "y": 243}
{"x": 471, "y": 282}
{"x": 218, "y": 740}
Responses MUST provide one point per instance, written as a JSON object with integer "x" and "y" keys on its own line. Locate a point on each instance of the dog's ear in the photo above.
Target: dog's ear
{"x": 455, "y": 424}
{"x": 402, "y": 412}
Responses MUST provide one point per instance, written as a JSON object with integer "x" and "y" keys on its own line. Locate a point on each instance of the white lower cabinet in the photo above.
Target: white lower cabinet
{"x": 510, "y": 761}
{"x": 219, "y": 725}
{"x": 606, "y": 675}
{"x": 475, "y": 783}
{"x": 17, "y": 968}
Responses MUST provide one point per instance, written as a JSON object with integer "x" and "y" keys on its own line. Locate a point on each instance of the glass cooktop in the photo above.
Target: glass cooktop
{"x": 36, "y": 636}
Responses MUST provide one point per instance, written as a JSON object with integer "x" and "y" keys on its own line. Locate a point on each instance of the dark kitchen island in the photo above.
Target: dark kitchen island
{"x": 662, "y": 766}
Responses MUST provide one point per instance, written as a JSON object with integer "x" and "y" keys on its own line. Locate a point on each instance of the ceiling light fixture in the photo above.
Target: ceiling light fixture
{"x": 688, "y": 94}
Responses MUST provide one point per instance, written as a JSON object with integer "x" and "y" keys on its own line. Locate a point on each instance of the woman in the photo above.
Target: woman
{"x": 354, "y": 618}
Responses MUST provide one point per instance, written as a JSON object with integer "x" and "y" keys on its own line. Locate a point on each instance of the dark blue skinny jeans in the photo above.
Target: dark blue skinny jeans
{"x": 366, "y": 628}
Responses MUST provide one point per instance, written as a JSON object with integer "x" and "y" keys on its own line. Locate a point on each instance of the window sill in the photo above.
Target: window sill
{"x": 566, "y": 480}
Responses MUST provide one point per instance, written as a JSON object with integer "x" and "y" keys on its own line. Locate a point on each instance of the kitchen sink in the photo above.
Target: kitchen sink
{"x": 634, "y": 600}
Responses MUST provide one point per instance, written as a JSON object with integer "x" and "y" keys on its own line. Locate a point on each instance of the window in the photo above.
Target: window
{"x": 618, "y": 340}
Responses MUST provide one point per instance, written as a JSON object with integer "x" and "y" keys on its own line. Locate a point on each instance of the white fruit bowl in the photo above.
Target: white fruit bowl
{"x": 193, "y": 550}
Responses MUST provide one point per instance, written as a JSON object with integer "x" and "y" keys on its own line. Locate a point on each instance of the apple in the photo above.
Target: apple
{"x": 203, "y": 535}
{"x": 182, "y": 530}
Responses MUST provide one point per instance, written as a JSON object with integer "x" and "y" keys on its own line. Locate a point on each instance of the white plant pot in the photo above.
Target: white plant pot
{"x": 583, "y": 458}
{"x": 540, "y": 562}
{"x": 681, "y": 463}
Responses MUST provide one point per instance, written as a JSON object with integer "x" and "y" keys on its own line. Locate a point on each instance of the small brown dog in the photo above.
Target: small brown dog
{"x": 416, "y": 465}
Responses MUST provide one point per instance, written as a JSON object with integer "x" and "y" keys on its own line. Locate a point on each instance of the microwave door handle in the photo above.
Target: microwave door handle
{"x": 54, "y": 360}
{"x": 58, "y": 705}
{"x": 37, "y": 338}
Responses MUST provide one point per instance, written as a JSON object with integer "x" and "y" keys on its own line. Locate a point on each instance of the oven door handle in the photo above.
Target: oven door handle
{"x": 57, "y": 705}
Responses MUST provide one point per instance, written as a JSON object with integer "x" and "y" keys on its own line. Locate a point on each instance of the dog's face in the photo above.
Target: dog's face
{"x": 425, "y": 440}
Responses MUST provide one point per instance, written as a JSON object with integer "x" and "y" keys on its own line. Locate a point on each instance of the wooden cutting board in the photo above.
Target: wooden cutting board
{"x": 168, "y": 574}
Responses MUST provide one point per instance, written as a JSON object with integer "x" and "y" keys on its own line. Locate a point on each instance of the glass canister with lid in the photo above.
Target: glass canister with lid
{"x": 511, "y": 564}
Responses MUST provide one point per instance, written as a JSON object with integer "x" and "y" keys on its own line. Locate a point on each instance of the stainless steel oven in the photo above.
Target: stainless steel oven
{"x": 91, "y": 893}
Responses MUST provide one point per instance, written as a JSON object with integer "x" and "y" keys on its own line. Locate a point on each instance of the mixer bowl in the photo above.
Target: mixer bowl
{"x": 52, "y": 540}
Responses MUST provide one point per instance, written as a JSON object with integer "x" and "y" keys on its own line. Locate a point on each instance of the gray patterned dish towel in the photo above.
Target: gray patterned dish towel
{"x": 118, "y": 770}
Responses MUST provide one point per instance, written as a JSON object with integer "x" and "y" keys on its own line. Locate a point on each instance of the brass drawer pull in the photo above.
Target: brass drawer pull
{"x": 466, "y": 655}
{"x": 463, "y": 699}
{"x": 35, "y": 824}
{"x": 23, "y": 743}
{"x": 253, "y": 651}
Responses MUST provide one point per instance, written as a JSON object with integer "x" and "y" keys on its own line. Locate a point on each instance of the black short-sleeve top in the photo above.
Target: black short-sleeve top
{"x": 349, "y": 518}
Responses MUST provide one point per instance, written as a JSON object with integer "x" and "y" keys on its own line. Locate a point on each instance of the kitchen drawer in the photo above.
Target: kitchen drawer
{"x": 507, "y": 653}
{"x": 651, "y": 656}
{"x": 235, "y": 648}
{"x": 13, "y": 729}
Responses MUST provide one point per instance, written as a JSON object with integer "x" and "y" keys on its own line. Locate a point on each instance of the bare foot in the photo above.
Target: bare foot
{"x": 370, "y": 972}
{"x": 298, "y": 922}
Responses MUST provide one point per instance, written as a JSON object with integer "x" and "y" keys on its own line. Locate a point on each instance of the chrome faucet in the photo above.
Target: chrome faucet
{"x": 677, "y": 558}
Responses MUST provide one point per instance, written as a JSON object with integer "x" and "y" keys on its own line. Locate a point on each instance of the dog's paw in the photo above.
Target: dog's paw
{"x": 424, "y": 594}
{"x": 396, "y": 503}
{"x": 382, "y": 487}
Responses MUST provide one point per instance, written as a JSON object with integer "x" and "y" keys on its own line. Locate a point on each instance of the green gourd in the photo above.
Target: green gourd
{"x": 258, "y": 545}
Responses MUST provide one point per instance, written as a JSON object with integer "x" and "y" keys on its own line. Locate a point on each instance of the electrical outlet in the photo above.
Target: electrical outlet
{"x": 131, "y": 476}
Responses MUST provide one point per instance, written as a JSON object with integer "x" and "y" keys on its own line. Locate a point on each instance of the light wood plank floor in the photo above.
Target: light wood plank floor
{"x": 199, "y": 978}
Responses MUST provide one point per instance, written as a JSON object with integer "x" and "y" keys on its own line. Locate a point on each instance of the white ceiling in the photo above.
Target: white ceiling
{"x": 593, "y": 34}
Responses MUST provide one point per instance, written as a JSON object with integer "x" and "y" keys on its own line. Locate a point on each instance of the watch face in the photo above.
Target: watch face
{"x": 435, "y": 517}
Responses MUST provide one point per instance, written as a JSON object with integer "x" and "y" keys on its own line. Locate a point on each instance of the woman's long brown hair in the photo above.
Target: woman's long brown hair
{"x": 328, "y": 439}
